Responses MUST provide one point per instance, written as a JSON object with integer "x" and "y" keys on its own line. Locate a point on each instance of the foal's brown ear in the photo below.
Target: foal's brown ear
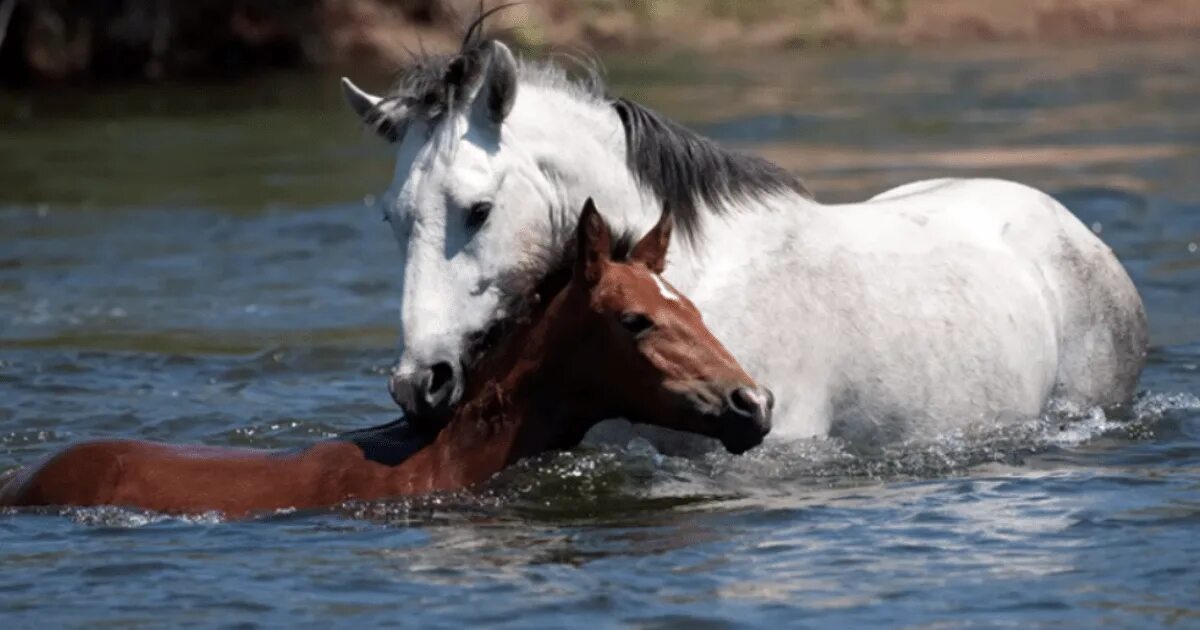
{"x": 594, "y": 243}
{"x": 652, "y": 249}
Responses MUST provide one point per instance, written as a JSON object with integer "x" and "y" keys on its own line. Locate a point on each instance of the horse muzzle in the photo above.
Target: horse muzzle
{"x": 429, "y": 391}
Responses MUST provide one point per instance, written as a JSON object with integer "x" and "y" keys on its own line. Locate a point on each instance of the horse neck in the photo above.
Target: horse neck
{"x": 594, "y": 164}
{"x": 520, "y": 404}
{"x": 591, "y": 164}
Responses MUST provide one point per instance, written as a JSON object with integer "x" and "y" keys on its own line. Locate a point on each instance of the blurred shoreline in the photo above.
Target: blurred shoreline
{"x": 48, "y": 41}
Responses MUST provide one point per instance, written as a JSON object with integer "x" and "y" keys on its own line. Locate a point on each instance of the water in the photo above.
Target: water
{"x": 194, "y": 263}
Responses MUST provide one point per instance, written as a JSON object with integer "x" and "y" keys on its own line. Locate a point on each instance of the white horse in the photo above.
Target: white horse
{"x": 925, "y": 308}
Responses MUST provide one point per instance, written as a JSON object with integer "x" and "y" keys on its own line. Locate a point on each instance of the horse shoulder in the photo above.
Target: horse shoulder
{"x": 335, "y": 471}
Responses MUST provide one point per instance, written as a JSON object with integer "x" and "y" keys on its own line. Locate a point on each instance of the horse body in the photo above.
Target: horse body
{"x": 912, "y": 314}
{"x": 960, "y": 302}
{"x": 927, "y": 307}
{"x": 181, "y": 478}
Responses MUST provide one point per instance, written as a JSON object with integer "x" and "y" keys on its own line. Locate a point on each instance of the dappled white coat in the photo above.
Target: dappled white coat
{"x": 929, "y": 307}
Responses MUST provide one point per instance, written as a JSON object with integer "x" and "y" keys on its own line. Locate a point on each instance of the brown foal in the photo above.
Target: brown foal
{"x": 611, "y": 340}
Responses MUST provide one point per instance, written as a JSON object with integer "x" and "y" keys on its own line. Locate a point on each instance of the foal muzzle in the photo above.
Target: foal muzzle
{"x": 746, "y": 420}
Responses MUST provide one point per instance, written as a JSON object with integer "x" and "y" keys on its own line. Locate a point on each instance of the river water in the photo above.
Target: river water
{"x": 195, "y": 263}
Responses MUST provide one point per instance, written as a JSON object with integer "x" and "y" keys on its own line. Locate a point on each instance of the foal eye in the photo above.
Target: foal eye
{"x": 636, "y": 323}
{"x": 478, "y": 214}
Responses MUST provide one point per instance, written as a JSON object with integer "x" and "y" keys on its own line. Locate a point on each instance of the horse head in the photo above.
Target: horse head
{"x": 470, "y": 202}
{"x": 627, "y": 344}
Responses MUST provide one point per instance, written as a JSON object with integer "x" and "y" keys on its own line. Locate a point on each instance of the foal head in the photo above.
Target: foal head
{"x": 633, "y": 347}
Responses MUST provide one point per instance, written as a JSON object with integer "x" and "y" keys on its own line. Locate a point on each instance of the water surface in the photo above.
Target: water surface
{"x": 194, "y": 263}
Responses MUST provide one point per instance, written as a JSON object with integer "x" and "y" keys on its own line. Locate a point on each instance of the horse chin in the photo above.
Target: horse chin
{"x": 738, "y": 436}
{"x": 741, "y": 441}
{"x": 731, "y": 431}
{"x": 426, "y": 419}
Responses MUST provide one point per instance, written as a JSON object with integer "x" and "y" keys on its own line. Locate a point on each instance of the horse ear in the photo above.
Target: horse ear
{"x": 463, "y": 76}
{"x": 498, "y": 91}
{"x": 652, "y": 249}
{"x": 385, "y": 117}
{"x": 593, "y": 243}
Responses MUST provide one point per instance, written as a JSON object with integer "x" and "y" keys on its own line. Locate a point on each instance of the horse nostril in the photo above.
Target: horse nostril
{"x": 440, "y": 377}
{"x": 746, "y": 402}
{"x": 770, "y": 398}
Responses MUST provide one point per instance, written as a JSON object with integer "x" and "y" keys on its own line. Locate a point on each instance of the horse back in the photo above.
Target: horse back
{"x": 83, "y": 474}
{"x": 160, "y": 477}
{"x": 182, "y": 479}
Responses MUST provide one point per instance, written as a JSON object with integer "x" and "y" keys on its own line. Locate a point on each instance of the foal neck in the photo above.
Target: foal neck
{"x": 524, "y": 410}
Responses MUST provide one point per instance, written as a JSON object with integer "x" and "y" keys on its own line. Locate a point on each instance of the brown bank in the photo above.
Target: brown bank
{"x": 49, "y": 40}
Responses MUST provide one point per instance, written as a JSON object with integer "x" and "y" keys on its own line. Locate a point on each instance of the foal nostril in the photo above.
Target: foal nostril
{"x": 748, "y": 402}
{"x": 441, "y": 380}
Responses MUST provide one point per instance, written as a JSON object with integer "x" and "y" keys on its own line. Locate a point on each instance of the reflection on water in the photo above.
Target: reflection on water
{"x": 193, "y": 263}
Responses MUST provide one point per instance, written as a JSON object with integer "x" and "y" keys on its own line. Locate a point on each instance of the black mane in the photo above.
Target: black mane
{"x": 687, "y": 170}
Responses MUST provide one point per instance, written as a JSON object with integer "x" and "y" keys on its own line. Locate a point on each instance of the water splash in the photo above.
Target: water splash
{"x": 636, "y": 482}
{"x": 125, "y": 518}
{"x": 608, "y": 476}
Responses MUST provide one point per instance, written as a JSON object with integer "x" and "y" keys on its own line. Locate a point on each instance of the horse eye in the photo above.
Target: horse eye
{"x": 636, "y": 323}
{"x": 478, "y": 214}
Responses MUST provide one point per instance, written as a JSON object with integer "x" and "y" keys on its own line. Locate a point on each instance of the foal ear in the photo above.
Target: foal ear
{"x": 386, "y": 117}
{"x": 652, "y": 249}
{"x": 593, "y": 243}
